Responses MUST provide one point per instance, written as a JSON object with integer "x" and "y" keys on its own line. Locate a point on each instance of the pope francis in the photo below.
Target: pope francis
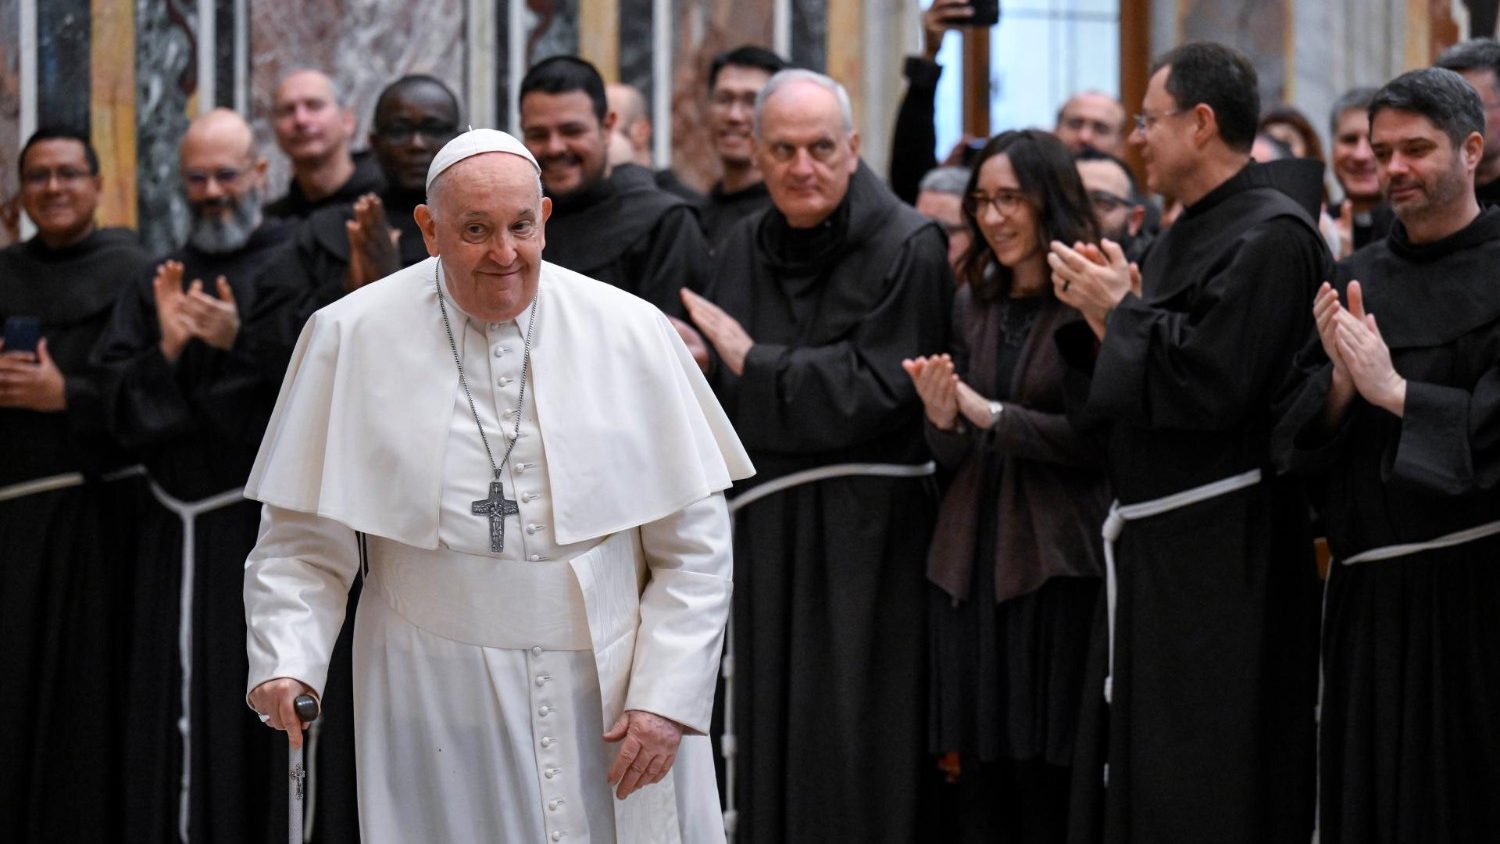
{"x": 530, "y": 468}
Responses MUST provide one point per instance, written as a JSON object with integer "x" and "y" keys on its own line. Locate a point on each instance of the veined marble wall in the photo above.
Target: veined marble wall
{"x": 166, "y": 87}
{"x": 363, "y": 44}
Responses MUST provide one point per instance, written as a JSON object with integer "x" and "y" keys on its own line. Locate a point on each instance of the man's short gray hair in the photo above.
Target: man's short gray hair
{"x": 1354, "y": 99}
{"x": 949, "y": 180}
{"x": 797, "y": 74}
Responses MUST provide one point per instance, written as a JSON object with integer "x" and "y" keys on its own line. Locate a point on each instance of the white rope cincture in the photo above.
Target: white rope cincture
{"x": 64, "y": 481}
{"x": 187, "y": 513}
{"x": 728, "y": 747}
{"x": 1115, "y": 524}
{"x": 1390, "y": 552}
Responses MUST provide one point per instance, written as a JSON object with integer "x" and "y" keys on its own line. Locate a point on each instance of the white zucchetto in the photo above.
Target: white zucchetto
{"x": 476, "y": 142}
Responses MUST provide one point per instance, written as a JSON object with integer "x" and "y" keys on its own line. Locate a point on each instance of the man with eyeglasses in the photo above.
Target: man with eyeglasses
{"x": 1202, "y": 724}
{"x": 1123, "y": 216}
{"x": 611, "y": 224}
{"x": 1092, "y": 120}
{"x": 815, "y": 303}
{"x": 735, "y": 78}
{"x": 940, "y": 198}
{"x": 340, "y": 249}
{"x": 1478, "y": 62}
{"x": 314, "y": 127}
{"x": 67, "y": 513}
{"x": 186, "y": 386}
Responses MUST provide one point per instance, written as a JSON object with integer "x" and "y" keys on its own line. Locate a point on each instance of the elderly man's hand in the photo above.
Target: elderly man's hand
{"x": 693, "y": 340}
{"x": 722, "y": 330}
{"x": 31, "y": 382}
{"x": 276, "y": 699}
{"x": 648, "y": 747}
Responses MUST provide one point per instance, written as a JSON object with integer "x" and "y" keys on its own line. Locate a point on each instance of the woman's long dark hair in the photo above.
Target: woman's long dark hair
{"x": 1049, "y": 178}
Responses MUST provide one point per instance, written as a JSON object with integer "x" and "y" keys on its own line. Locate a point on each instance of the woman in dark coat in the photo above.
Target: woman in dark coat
{"x": 1016, "y": 564}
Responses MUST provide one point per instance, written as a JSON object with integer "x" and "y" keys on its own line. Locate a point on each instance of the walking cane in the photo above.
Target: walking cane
{"x": 306, "y": 707}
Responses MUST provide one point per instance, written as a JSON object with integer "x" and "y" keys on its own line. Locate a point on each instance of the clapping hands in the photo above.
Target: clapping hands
{"x": 189, "y": 314}
{"x": 1361, "y": 359}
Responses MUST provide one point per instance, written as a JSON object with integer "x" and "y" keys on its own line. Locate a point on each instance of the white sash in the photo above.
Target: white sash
{"x": 1115, "y": 524}
{"x": 491, "y": 602}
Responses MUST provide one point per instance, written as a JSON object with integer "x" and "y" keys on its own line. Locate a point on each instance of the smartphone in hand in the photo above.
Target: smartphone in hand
{"x": 986, "y": 13}
{"x": 22, "y": 333}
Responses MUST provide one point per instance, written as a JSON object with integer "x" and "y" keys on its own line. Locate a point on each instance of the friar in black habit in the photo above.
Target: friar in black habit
{"x": 609, "y": 223}
{"x": 1212, "y": 611}
{"x": 69, "y": 503}
{"x": 1396, "y": 409}
{"x": 815, "y": 303}
{"x": 184, "y": 385}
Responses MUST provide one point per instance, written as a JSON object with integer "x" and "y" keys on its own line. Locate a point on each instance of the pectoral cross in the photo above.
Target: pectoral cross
{"x": 497, "y": 507}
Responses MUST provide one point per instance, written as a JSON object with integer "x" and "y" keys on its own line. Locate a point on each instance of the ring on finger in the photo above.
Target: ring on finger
{"x": 1066, "y": 284}
{"x": 264, "y": 718}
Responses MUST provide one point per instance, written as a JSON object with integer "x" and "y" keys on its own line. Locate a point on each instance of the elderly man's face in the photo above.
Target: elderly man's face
{"x": 307, "y": 119}
{"x": 487, "y": 222}
{"x": 1092, "y": 120}
{"x": 805, "y": 153}
{"x": 1353, "y": 160}
{"x": 58, "y": 192}
{"x": 567, "y": 139}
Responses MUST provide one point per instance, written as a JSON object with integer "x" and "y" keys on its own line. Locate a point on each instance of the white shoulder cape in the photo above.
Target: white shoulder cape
{"x": 632, "y": 431}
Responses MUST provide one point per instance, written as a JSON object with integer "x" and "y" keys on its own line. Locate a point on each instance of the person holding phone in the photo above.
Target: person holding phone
{"x": 64, "y": 511}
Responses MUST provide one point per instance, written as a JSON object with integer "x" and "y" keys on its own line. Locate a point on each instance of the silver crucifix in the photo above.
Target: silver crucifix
{"x": 496, "y": 507}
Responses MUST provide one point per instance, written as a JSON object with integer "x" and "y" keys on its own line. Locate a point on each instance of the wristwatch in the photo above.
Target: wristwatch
{"x": 995, "y": 409}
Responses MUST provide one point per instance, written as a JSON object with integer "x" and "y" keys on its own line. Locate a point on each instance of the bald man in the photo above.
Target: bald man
{"x": 630, "y": 141}
{"x": 314, "y": 127}
{"x": 182, "y": 386}
{"x": 1092, "y": 120}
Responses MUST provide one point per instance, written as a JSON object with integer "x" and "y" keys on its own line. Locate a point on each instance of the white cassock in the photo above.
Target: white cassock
{"x": 483, "y": 681}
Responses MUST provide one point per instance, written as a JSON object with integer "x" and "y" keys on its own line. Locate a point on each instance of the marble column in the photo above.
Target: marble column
{"x": 635, "y": 33}
{"x": 62, "y": 50}
{"x": 166, "y": 82}
{"x": 112, "y": 116}
{"x": 10, "y": 119}
{"x": 363, "y": 44}
{"x": 551, "y": 29}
